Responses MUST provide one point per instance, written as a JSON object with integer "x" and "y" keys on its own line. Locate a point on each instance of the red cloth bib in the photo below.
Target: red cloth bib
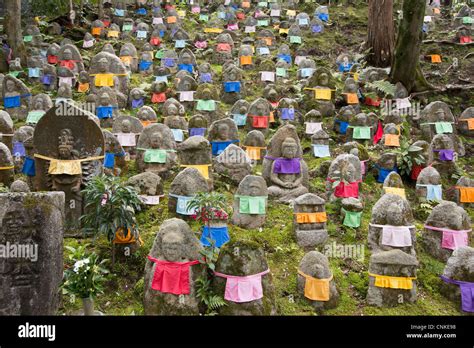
{"x": 171, "y": 277}
{"x": 379, "y": 133}
{"x": 155, "y": 41}
{"x": 344, "y": 190}
{"x": 70, "y": 64}
{"x": 260, "y": 121}
{"x": 158, "y": 98}
{"x": 52, "y": 59}
{"x": 415, "y": 171}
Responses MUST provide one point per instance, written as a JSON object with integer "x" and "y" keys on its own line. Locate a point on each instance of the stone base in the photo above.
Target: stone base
{"x": 385, "y": 297}
{"x": 311, "y": 238}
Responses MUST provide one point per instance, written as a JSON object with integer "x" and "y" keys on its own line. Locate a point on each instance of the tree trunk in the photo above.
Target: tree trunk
{"x": 381, "y": 33}
{"x": 13, "y": 29}
{"x": 101, "y": 9}
{"x": 406, "y": 63}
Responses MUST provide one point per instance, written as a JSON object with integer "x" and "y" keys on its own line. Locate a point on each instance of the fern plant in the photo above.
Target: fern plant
{"x": 407, "y": 156}
{"x": 111, "y": 206}
{"x": 204, "y": 291}
{"x": 384, "y": 87}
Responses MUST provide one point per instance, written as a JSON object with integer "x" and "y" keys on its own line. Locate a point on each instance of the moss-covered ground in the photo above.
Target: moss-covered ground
{"x": 346, "y": 33}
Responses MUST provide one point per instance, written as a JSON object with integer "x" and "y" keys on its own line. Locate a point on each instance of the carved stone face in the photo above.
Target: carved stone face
{"x": 67, "y": 54}
{"x": 10, "y": 86}
{"x": 206, "y": 94}
{"x": 39, "y": 104}
{"x": 440, "y": 115}
{"x": 348, "y": 172}
{"x": 105, "y": 99}
{"x": 254, "y": 189}
{"x": 324, "y": 79}
{"x": 136, "y": 95}
{"x": 289, "y": 148}
{"x": 394, "y": 215}
{"x": 65, "y": 152}
{"x": 345, "y": 60}
{"x": 260, "y": 109}
{"x": 103, "y": 65}
{"x": 13, "y": 223}
{"x": 126, "y": 126}
{"x": 172, "y": 110}
{"x": 172, "y": 246}
{"x": 223, "y": 132}
{"x": 186, "y": 59}
{"x": 156, "y": 140}
{"x": 126, "y": 52}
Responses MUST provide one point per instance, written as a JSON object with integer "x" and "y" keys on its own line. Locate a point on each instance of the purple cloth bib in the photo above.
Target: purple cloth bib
{"x": 287, "y": 166}
{"x": 445, "y": 155}
{"x": 467, "y": 293}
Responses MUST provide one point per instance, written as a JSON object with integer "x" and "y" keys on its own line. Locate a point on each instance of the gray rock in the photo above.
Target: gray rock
{"x": 174, "y": 242}
{"x": 30, "y": 286}
{"x": 460, "y": 266}
{"x": 394, "y": 263}
{"x": 309, "y": 235}
{"x": 444, "y": 215}
{"x": 245, "y": 258}
{"x": 251, "y": 185}
{"x": 316, "y": 265}
{"x": 390, "y": 210}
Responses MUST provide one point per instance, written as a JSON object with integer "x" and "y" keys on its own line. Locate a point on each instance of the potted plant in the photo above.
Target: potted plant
{"x": 85, "y": 278}
{"x": 209, "y": 209}
{"x": 110, "y": 210}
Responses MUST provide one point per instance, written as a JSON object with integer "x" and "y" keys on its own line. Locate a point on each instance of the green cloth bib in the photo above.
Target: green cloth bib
{"x": 443, "y": 127}
{"x": 252, "y": 205}
{"x": 361, "y": 133}
{"x": 352, "y": 219}
{"x": 206, "y": 105}
{"x": 155, "y": 156}
{"x": 295, "y": 39}
{"x": 28, "y": 38}
{"x": 34, "y": 116}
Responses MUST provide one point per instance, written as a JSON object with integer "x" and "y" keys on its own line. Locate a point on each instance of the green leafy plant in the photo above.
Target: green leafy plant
{"x": 111, "y": 206}
{"x": 208, "y": 206}
{"x": 204, "y": 291}
{"x": 384, "y": 87}
{"x": 407, "y": 156}
{"x": 86, "y": 278}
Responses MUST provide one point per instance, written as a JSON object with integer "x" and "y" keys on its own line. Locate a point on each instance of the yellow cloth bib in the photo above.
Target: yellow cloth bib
{"x": 384, "y": 281}
{"x": 69, "y": 167}
{"x": 352, "y": 98}
{"x": 202, "y": 168}
{"x": 316, "y": 289}
{"x": 254, "y": 152}
{"x": 466, "y": 194}
{"x": 120, "y": 238}
{"x": 311, "y": 218}
{"x": 392, "y": 140}
{"x": 322, "y": 94}
{"x": 399, "y": 191}
{"x": 213, "y": 30}
{"x": 7, "y": 168}
{"x": 104, "y": 80}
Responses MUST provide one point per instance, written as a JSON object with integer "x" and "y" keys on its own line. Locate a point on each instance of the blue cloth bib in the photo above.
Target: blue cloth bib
{"x": 220, "y": 235}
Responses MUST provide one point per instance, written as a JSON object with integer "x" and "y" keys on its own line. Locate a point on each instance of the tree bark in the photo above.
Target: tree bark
{"x": 13, "y": 29}
{"x": 406, "y": 63}
{"x": 101, "y": 9}
{"x": 381, "y": 33}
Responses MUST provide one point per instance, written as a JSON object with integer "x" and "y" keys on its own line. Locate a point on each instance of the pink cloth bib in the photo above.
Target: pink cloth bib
{"x": 243, "y": 288}
{"x": 396, "y": 236}
{"x": 452, "y": 239}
